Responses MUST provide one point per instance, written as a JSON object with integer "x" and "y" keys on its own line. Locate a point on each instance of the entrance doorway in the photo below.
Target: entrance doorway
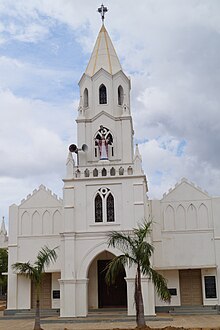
{"x": 190, "y": 287}
{"x": 114, "y": 295}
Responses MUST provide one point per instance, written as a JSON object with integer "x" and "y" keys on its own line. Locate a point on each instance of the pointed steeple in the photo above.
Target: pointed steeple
{"x": 69, "y": 165}
{"x": 3, "y": 230}
{"x": 137, "y": 161}
{"x": 103, "y": 56}
{"x": 3, "y": 235}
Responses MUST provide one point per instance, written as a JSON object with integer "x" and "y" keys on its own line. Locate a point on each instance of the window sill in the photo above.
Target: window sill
{"x": 95, "y": 224}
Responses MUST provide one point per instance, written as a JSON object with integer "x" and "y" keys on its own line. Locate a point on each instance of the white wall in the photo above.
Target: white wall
{"x": 55, "y": 286}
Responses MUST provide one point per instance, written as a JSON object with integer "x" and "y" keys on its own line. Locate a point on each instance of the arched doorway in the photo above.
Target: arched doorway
{"x": 100, "y": 295}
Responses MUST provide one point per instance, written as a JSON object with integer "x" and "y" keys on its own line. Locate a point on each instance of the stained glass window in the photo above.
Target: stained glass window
{"x": 104, "y": 206}
{"x": 98, "y": 209}
{"x": 110, "y": 208}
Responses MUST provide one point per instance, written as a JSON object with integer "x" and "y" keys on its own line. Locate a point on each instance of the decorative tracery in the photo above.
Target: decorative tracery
{"x": 103, "y": 141}
{"x": 104, "y": 206}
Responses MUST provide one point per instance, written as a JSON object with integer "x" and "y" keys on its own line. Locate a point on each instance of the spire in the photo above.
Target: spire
{"x": 103, "y": 55}
{"x": 3, "y": 229}
{"x": 137, "y": 161}
{"x": 69, "y": 165}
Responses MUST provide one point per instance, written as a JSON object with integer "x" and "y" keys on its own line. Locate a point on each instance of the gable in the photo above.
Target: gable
{"x": 41, "y": 198}
{"x": 185, "y": 191}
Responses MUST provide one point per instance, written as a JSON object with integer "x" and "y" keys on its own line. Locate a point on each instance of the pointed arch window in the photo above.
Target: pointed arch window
{"x": 104, "y": 144}
{"x": 86, "y": 173}
{"x": 104, "y": 206}
{"x": 95, "y": 172}
{"x": 98, "y": 208}
{"x": 112, "y": 171}
{"x": 120, "y": 95}
{"x": 104, "y": 172}
{"x": 110, "y": 208}
{"x": 85, "y": 98}
{"x": 102, "y": 94}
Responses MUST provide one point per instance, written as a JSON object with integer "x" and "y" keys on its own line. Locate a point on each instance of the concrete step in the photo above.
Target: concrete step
{"x": 31, "y": 312}
{"x": 195, "y": 310}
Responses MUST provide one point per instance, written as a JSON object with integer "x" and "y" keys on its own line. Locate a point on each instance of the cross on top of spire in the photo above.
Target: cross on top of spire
{"x": 102, "y": 10}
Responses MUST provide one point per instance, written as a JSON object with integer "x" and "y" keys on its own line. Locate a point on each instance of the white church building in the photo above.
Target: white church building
{"x": 106, "y": 190}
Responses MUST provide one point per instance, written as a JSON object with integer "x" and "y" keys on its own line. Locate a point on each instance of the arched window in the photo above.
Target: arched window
{"x": 104, "y": 172}
{"x": 86, "y": 173}
{"x": 95, "y": 172}
{"x": 85, "y": 98}
{"x": 112, "y": 171}
{"x": 103, "y": 144}
{"x": 98, "y": 209}
{"x": 110, "y": 208}
{"x": 120, "y": 95}
{"x": 130, "y": 170}
{"x": 104, "y": 206}
{"x": 121, "y": 171}
{"x": 102, "y": 94}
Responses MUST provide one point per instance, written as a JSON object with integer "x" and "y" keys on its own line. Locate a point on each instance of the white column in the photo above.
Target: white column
{"x": 82, "y": 297}
{"x": 148, "y": 296}
{"x": 12, "y": 291}
{"x": 147, "y": 293}
{"x": 67, "y": 298}
{"x": 130, "y": 295}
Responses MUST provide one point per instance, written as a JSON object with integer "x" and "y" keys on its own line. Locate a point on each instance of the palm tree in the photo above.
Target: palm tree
{"x": 136, "y": 252}
{"x": 35, "y": 273}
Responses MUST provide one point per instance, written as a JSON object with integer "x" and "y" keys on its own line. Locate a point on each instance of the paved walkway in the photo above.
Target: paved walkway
{"x": 108, "y": 321}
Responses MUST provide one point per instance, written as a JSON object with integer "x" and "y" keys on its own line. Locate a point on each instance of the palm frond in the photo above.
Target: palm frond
{"x": 45, "y": 257}
{"x": 115, "y": 266}
{"x": 144, "y": 252}
{"x": 24, "y": 268}
{"x": 143, "y": 230}
{"x": 161, "y": 285}
{"x": 122, "y": 241}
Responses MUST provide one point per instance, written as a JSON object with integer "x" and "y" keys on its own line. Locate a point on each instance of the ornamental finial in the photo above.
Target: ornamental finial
{"x": 102, "y": 10}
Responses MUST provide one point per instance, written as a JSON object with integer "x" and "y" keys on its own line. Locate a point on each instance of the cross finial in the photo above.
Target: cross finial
{"x": 102, "y": 10}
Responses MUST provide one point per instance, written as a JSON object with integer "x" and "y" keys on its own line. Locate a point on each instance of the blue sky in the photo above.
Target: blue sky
{"x": 170, "y": 49}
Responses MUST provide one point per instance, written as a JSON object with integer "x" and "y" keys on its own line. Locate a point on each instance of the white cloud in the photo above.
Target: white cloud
{"x": 164, "y": 168}
{"x": 32, "y": 141}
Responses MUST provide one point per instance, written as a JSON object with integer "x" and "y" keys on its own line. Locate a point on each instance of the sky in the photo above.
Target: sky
{"x": 169, "y": 48}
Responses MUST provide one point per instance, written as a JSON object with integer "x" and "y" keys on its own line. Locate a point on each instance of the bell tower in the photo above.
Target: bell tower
{"x": 105, "y": 189}
{"x": 104, "y": 120}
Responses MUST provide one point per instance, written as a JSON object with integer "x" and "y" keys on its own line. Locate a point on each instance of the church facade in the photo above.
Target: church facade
{"x": 106, "y": 190}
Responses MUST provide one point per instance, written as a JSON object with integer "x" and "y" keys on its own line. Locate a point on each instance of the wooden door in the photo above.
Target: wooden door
{"x": 190, "y": 287}
{"x": 113, "y": 295}
{"x": 45, "y": 295}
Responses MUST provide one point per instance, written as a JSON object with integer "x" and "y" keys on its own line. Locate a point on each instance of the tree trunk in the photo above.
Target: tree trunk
{"x": 139, "y": 300}
{"x": 37, "y": 312}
